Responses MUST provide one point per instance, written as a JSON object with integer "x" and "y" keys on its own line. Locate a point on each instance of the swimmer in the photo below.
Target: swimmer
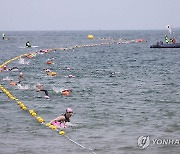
{"x": 68, "y": 68}
{"x": 21, "y": 75}
{"x": 42, "y": 51}
{"x": 4, "y": 68}
{"x": 47, "y": 70}
{"x": 13, "y": 83}
{"x": 28, "y": 44}
{"x": 50, "y": 61}
{"x": 20, "y": 78}
{"x": 62, "y": 119}
{"x": 65, "y": 92}
{"x": 70, "y": 76}
{"x": 13, "y": 69}
{"x": 112, "y": 74}
{"x": 40, "y": 88}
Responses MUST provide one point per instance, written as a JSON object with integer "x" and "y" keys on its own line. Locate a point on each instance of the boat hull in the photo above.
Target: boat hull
{"x": 158, "y": 45}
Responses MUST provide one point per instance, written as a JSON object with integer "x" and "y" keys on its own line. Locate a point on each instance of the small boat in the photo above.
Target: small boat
{"x": 170, "y": 43}
{"x": 165, "y": 45}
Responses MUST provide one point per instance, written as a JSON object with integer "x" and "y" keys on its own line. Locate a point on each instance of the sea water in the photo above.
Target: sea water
{"x": 121, "y": 93}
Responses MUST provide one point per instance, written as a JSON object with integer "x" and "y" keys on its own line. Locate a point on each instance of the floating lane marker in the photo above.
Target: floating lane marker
{"x": 31, "y": 111}
{"x": 40, "y": 119}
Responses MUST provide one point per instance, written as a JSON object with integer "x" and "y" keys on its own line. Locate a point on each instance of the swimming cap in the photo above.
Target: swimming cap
{"x": 47, "y": 97}
{"x": 69, "y": 110}
{"x": 38, "y": 84}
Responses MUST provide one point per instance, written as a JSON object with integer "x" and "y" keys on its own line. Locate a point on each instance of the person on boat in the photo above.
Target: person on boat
{"x": 39, "y": 88}
{"x": 3, "y": 36}
{"x": 61, "y": 120}
{"x": 28, "y": 44}
{"x": 173, "y": 40}
{"x": 166, "y": 39}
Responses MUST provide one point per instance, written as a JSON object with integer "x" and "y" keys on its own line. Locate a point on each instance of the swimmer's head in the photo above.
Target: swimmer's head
{"x": 20, "y": 74}
{"x": 38, "y": 85}
{"x": 69, "y": 110}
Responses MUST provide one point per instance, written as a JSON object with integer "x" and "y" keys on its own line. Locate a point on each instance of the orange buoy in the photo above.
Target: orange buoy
{"x": 48, "y": 62}
{"x": 139, "y": 40}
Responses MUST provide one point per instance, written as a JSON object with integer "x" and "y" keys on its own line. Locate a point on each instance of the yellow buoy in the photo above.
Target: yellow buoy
{"x": 19, "y": 102}
{"x": 48, "y": 124}
{"x": 51, "y": 73}
{"x": 21, "y": 105}
{"x": 90, "y": 36}
{"x": 24, "y": 108}
{"x": 61, "y": 132}
{"x": 31, "y": 111}
{"x": 39, "y": 119}
{"x": 33, "y": 114}
{"x": 52, "y": 127}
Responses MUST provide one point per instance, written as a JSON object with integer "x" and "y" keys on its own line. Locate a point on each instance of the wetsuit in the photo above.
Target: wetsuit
{"x": 45, "y": 91}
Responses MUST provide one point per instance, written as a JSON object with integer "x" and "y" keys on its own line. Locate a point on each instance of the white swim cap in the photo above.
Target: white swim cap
{"x": 47, "y": 97}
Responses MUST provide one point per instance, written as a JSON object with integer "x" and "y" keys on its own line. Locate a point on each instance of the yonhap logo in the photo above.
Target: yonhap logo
{"x": 143, "y": 142}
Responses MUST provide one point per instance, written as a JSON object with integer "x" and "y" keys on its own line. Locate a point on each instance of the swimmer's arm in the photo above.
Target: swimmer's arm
{"x": 60, "y": 118}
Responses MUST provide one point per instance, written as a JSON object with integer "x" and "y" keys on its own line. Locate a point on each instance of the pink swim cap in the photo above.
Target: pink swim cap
{"x": 69, "y": 110}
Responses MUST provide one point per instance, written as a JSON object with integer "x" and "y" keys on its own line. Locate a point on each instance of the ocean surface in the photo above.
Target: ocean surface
{"x": 120, "y": 93}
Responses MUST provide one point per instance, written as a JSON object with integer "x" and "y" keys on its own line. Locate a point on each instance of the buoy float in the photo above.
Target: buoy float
{"x": 31, "y": 112}
{"x": 49, "y": 62}
{"x": 139, "y": 40}
{"x": 19, "y": 102}
{"x": 52, "y": 127}
{"x": 48, "y": 124}
{"x": 61, "y": 132}
{"x": 39, "y": 119}
{"x": 90, "y": 36}
{"x": 51, "y": 73}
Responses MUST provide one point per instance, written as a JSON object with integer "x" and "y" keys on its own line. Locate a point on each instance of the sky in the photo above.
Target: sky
{"x": 20, "y": 15}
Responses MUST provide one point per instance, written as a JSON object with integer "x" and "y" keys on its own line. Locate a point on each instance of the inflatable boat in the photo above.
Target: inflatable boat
{"x": 167, "y": 45}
